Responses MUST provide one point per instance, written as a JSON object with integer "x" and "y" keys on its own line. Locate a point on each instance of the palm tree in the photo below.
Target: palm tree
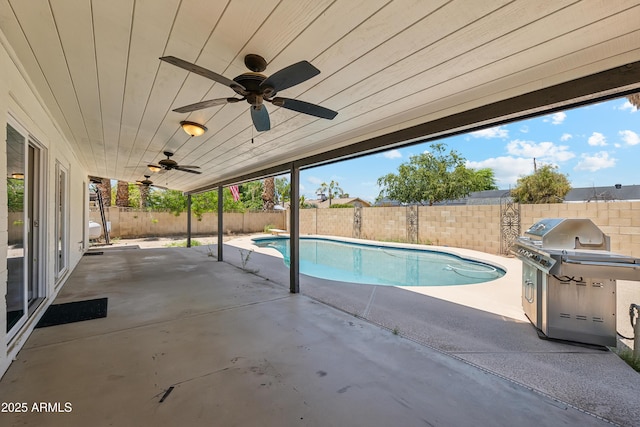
{"x": 122, "y": 194}
{"x": 333, "y": 189}
{"x": 144, "y": 196}
{"x": 635, "y": 99}
{"x": 269, "y": 194}
{"x": 105, "y": 190}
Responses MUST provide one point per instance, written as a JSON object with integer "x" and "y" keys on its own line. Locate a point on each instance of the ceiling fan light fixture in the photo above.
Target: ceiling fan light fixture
{"x": 154, "y": 168}
{"x": 193, "y": 128}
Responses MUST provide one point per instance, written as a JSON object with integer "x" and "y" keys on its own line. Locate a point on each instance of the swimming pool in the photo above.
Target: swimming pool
{"x": 381, "y": 265}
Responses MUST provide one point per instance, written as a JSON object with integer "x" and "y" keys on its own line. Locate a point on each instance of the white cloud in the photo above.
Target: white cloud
{"x": 566, "y": 137}
{"x": 597, "y": 140}
{"x": 314, "y": 180}
{"x": 629, "y": 137}
{"x": 524, "y": 129}
{"x": 392, "y": 154}
{"x": 628, "y": 106}
{"x": 556, "y": 118}
{"x": 546, "y": 151}
{"x": 506, "y": 169}
{"x": 600, "y": 160}
{"x": 494, "y": 132}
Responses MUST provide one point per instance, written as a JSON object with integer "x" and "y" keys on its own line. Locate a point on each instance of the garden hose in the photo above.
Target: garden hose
{"x": 634, "y": 312}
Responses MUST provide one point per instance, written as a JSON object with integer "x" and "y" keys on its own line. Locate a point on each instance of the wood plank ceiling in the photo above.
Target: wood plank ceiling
{"x": 385, "y": 65}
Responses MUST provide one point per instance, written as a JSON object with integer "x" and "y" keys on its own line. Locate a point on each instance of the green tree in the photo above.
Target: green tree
{"x": 175, "y": 202}
{"x": 283, "y": 190}
{"x": 251, "y": 195}
{"x": 434, "y": 176}
{"x": 134, "y": 195}
{"x": 15, "y": 195}
{"x": 546, "y": 185}
{"x": 484, "y": 180}
{"x": 167, "y": 200}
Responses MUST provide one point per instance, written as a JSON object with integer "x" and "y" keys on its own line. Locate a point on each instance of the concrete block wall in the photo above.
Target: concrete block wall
{"x": 476, "y": 226}
{"x": 620, "y": 220}
{"x": 308, "y": 220}
{"x": 335, "y": 222}
{"x": 130, "y": 223}
{"x": 473, "y": 227}
{"x": 386, "y": 224}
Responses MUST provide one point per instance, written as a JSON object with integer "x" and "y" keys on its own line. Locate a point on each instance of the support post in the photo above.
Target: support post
{"x": 294, "y": 231}
{"x": 220, "y": 228}
{"x": 188, "y": 220}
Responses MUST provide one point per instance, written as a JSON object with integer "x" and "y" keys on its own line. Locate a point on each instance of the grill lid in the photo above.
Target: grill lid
{"x": 567, "y": 233}
{"x": 573, "y": 247}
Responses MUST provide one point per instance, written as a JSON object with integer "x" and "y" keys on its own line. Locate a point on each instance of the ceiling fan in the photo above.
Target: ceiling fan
{"x": 169, "y": 164}
{"x": 148, "y": 183}
{"x": 256, "y": 88}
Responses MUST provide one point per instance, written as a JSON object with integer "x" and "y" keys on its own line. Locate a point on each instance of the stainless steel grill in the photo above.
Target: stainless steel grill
{"x": 569, "y": 279}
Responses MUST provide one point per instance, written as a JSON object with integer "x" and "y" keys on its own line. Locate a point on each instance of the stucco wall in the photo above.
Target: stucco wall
{"x": 473, "y": 227}
{"x": 20, "y": 105}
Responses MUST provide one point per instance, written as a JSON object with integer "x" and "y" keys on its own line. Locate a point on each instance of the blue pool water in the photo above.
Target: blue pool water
{"x": 381, "y": 265}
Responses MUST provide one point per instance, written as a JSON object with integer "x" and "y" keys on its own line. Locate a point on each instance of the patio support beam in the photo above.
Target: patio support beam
{"x": 294, "y": 231}
{"x": 188, "y": 220}
{"x": 220, "y": 227}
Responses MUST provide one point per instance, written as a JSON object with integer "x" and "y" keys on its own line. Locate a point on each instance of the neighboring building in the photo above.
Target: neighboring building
{"x": 617, "y": 193}
{"x": 385, "y": 201}
{"x": 323, "y": 202}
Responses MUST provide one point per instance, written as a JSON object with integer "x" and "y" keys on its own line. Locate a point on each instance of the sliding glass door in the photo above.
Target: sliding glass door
{"x": 24, "y": 213}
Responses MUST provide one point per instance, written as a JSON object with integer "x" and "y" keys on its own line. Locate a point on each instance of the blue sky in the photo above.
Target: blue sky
{"x": 596, "y": 145}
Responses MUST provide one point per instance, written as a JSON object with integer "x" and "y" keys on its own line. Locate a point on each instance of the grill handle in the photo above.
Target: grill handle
{"x": 632, "y": 265}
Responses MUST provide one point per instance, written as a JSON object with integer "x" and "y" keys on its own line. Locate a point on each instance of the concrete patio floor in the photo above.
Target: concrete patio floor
{"x": 225, "y": 346}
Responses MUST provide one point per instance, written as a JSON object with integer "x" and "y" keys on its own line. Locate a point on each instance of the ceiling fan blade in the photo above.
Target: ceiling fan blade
{"x": 189, "y": 166}
{"x": 205, "y": 104}
{"x": 305, "y": 107}
{"x": 200, "y": 71}
{"x": 181, "y": 168}
{"x": 290, "y": 76}
{"x": 260, "y": 118}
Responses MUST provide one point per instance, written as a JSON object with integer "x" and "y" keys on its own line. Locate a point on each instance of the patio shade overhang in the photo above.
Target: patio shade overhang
{"x": 395, "y": 72}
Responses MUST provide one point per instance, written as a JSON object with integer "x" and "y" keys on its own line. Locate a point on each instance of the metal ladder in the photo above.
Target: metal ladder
{"x": 103, "y": 217}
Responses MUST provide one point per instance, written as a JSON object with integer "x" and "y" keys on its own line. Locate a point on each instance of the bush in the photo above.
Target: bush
{"x": 268, "y": 228}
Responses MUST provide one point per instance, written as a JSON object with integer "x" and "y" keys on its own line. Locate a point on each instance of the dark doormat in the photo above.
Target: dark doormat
{"x": 70, "y": 312}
